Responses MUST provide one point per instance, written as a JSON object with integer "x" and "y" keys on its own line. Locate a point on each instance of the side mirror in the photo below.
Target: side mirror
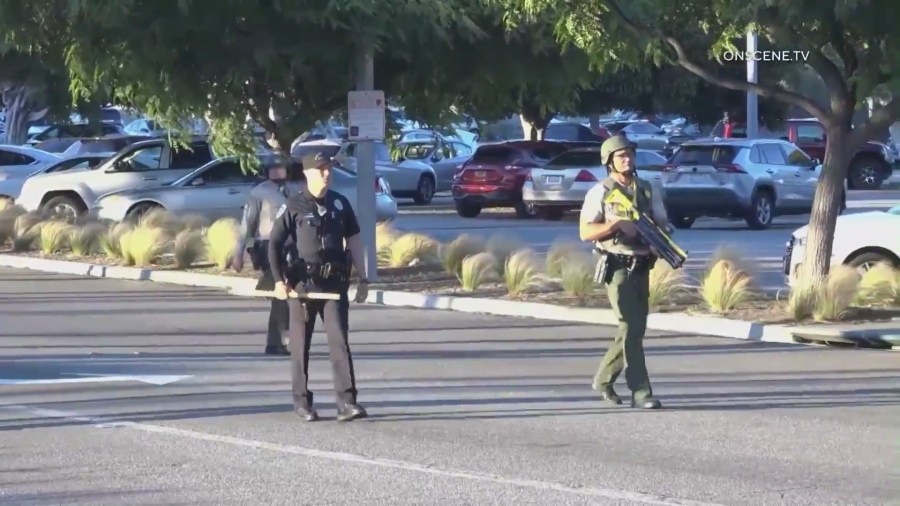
{"x": 197, "y": 181}
{"x": 437, "y": 156}
{"x": 815, "y": 162}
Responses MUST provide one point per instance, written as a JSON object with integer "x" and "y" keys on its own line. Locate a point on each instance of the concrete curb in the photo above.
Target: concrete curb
{"x": 668, "y": 322}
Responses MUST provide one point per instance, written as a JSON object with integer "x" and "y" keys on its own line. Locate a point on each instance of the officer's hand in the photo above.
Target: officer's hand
{"x": 281, "y": 292}
{"x": 238, "y": 263}
{"x": 362, "y": 291}
{"x": 627, "y": 228}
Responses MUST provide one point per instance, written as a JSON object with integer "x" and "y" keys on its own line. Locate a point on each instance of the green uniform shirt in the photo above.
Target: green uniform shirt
{"x": 595, "y": 209}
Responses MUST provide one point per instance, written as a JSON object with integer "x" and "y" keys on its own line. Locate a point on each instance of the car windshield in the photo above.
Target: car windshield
{"x": 580, "y": 158}
{"x": 709, "y": 155}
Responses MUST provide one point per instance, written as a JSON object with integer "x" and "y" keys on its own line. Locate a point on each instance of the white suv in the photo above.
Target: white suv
{"x": 139, "y": 165}
{"x": 753, "y": 179}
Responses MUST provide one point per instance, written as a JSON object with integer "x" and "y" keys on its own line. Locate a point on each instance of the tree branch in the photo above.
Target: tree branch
{"x": 881, "y": 118}
{"x": 685, "y": 62}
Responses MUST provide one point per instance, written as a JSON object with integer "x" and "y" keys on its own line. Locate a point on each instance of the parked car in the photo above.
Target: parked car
{"x": 562, "y": 184}
{"x": 217, "y": 190}
{"x": 407, "y": 179}
{"x": 76, "y": 130}
{"x": 753, "y": 179}
{"x": 495, "y": 174}
{"x": 646, "y": 135}
{"x": 870, "y": 166}
{"x": 106, "y": 144}
{"x": 570, "y": 131}
{"x": 861, "y": 240}
{"x": 11, "y": 188}
{"x": 22, "y": 161}
{"x": 443, "y": 155}
{"x": 142, "y": 164}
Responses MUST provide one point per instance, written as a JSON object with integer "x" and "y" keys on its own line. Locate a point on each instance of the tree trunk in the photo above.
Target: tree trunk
{"x": 21, "y": 110}
{"x": 826, "y": 205}
{"x": 594, "y": 120}
{"x": 534, "y": 127}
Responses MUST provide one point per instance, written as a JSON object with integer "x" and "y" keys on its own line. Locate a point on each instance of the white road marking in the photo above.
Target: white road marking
{"x": 599, "y": 492}
{"x": 153, "y": 379}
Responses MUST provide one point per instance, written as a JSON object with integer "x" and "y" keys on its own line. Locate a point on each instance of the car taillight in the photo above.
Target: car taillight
{"x": 585, "y": 177}
{"x": 731, "y": 169}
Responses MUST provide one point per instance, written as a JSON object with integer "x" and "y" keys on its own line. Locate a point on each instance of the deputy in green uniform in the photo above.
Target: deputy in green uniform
{"x": 624, "y": 268}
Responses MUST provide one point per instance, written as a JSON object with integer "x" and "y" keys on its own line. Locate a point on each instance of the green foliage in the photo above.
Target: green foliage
{"x": 233, "y": 64}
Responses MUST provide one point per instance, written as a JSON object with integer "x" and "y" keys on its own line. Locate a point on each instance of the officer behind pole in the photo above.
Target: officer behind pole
{"x": 308, "y": 254}
{"x": 259, "y": 216}
{"x": 624, "y": 267}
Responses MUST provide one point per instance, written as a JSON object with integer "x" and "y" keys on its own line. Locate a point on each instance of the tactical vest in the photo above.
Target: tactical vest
{"x": 320, "y": 241}
{"x": 643, "y": 201}
{"x": 272, "y": 199}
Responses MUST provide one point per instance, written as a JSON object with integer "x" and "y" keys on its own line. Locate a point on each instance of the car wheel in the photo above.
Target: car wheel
{"x": 137, "y": 212}
{"x": 683, "y": 222}
{"x": 65, "y": 207}
{"x": 865, "y": 173}
{"x": 549, "y": 213}
{"x": 424, "y": 190}
{"x": 865, "y": 261}
{"x": 467, "y": 210}
{"x": 525, "y": 211}
{"x": 762, "y": 210}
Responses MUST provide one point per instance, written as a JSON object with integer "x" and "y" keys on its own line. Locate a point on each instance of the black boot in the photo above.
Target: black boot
{"x": 351, "y": 412}
{"x": 609, "y": 395}
{"x": 646, "y": 403}
{"x": 278, "y": 349}
{"x": 306, "y": 413}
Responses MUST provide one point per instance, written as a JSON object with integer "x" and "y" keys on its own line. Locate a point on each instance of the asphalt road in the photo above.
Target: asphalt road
{"x": 764, "y": 248}
{"x": 466, "y": 409}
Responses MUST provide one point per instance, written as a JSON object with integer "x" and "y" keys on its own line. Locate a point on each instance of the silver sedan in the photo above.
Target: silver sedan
{"x": 562, "y": 183}
{"x": 220, "y": 189}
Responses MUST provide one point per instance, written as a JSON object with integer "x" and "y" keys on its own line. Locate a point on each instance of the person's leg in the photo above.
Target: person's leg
{"x": 301, "y": 327}
{"x": 335, "y": 315}
{"x": 638, "y": 307}
{"x": 613, "y": 361}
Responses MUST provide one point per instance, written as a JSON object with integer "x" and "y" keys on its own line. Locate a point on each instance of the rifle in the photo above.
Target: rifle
{"x": 657, "y": 239}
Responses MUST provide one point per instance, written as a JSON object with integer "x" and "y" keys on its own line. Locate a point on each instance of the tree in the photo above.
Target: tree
{"x": 850, "y": 45}
{"x": 281, "y": 66}
{"x": 493, "y": 73}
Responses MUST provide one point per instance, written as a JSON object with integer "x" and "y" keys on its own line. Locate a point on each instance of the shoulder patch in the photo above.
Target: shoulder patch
{"x": 338, "y": 204}
{"x": 281, "y": 211}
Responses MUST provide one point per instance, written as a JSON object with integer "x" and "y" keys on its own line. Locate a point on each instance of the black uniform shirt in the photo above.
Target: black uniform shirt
{"x": 317, "y": 227}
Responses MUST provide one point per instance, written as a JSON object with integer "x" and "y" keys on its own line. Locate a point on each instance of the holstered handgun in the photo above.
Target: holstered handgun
{"x": 601, "y": 270}
{"x": 259, "y": 255}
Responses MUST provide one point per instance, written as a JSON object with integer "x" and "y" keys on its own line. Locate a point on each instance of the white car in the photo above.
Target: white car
{"x": 11, "y": 188}
{"x": 140, "y": 165}
{"x": 21, "y": 161}
{"x": 861, "y": 240}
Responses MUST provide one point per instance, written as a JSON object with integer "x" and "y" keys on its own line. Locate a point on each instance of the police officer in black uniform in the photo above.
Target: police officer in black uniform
{"x": 259, "y": 216}
{"x": 307, "y": 254}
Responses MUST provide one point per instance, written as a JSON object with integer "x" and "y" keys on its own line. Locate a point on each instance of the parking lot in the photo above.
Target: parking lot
{"x": 764, "y": 248}
{"x": 115, "y": 392}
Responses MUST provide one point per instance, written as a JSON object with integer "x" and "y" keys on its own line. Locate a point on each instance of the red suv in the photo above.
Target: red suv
{"x": 494, "y": 176}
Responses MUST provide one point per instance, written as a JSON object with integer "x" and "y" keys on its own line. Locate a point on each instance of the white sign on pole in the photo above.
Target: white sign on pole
{"x": 365, "y": 111}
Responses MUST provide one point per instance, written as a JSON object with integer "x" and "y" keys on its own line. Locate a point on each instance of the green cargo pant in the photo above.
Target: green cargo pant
{"x": 629, "y": 295}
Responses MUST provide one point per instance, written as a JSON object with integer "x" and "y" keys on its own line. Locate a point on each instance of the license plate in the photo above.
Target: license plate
{"x": 553, "y": 179}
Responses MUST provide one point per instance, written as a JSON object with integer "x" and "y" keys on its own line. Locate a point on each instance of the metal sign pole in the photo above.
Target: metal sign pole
{"x": 366, "y": 122}
{"x": 752, "y": 99}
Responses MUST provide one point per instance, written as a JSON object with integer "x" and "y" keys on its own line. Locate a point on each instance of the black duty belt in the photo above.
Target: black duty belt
{"x": 632, "y": 262}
